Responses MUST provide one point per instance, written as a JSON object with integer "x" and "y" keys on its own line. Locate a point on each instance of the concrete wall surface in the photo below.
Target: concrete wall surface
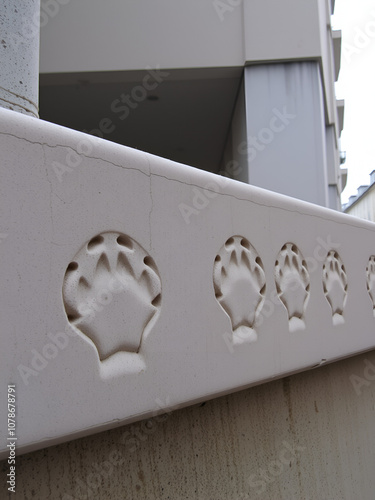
{"x": 116, "y": 35}
{"x": 19, "y": 56}
{"x": 305, "y": 437}
{"x": 286, "y": 142}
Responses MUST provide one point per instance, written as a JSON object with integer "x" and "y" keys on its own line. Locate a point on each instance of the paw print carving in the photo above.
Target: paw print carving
{"x": 112, "y": 293}
{"x": 239, "y": 284}
{"x": 335, "y": 285}
{"x": 292, "y": 284}
{"x": 370, "y": 274}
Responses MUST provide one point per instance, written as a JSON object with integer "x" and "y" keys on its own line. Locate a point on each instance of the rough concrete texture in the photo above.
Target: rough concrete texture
{"x": 19, "y": 55}
{"x": 305, "y": 437}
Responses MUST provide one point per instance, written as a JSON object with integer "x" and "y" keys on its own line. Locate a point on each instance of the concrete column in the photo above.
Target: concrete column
{"x": 19, "y": 55}
{"x": 234, "y": 162}
{"x": 333, "y": 168}
{"x": 286, "y": 143}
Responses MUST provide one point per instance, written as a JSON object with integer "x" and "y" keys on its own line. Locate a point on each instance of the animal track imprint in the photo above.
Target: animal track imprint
{"x": 370, "y": 274}
{"x": 239, "y": 284}
{"x": 292, "y": 284}
{"x": 335, "y": 285}
{"x": 112, "y": 293}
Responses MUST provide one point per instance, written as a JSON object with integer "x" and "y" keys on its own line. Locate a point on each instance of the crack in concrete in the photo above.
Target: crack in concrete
{"x": 150, "y": 174}
{"x": 152, "y": 204}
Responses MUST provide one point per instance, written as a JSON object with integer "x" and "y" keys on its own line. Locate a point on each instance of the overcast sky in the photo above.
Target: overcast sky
{"x": 356, "y": 85}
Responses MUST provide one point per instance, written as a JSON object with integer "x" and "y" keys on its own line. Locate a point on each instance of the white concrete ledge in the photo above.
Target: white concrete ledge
{"x": 132, "y": 284}
{"x": 337, "y": 43}
{"x": 340, "y": 104}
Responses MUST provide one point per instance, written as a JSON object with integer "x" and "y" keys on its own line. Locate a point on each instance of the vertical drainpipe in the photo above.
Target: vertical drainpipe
{"x": 19, "y": 55}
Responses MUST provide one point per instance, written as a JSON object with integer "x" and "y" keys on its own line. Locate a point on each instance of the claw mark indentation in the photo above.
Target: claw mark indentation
{"x": 112, "y": 293}
{"x": 239, "y": 284}
{"x": 370, "y": 274}
{"x": 335, "y": 285}
{"x": 292, "y": 284}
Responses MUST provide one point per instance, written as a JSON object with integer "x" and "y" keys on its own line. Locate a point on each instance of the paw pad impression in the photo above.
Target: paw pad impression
{"x": 239, "y": 284}
{"x": 370, "y": 274}
{"x": 112, "y": 293}
{"x": 335, "y": 285}
{"x": 292, "y": 284}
